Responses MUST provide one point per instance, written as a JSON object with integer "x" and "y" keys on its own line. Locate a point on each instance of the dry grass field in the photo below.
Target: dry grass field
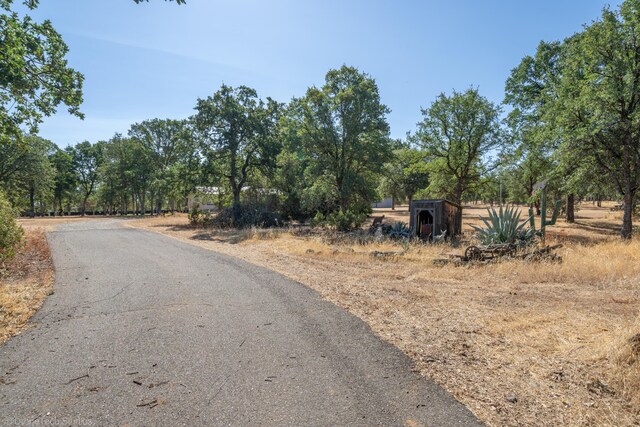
{"x": 519, "y": 343}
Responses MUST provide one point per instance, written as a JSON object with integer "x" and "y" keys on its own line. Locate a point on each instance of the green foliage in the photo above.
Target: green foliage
{"x": 64, "y": 182}
{"x": 598, "y": 94}
{"x": 504, "y": 226}
{"x": 237, "y": 131}
{"x": 199, "y": 218}
{"x": 127, "y": 169}
{"x": 34, "y": 75}
{"x": 245, "y": 215}
{"x": 289, "y": 180}
{"x": 26, "y": 174}
{"x": 164, "y": 144}
{"x": 86, "y": 159}
{"x": 579, "y": 98}
{"x": 405, "y": 174}
{"x": 342, "y": 127}
{"x": 457, "y": 132}
{"x": 341, "y": 220}
{"x": 10, "y": 232}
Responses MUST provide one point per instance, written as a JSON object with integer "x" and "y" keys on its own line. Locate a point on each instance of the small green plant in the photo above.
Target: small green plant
{"x": 504, "y": 226}
{"x": 10, "y": 232}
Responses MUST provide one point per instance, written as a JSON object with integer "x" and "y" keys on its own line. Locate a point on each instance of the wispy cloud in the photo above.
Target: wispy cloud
{"x": 159, "y": 50}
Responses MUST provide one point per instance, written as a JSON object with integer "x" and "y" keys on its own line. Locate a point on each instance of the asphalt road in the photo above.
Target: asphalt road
{"x": 144, "y": 330}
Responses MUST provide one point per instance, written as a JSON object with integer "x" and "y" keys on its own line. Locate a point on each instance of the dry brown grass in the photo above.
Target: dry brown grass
{"x": 559, "y": 338}
{"x": 24, "y": 283}
{"x": 50, "y": 223}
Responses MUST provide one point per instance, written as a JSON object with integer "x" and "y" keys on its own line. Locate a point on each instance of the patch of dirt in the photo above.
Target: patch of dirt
{"x": 520, "y": 344}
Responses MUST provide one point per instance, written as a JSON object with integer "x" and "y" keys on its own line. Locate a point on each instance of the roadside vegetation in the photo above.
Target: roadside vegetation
{"x": 25, "y": 281}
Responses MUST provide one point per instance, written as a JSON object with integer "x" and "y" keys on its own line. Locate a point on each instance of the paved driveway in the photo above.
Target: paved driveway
{"x": 144, "y": 330}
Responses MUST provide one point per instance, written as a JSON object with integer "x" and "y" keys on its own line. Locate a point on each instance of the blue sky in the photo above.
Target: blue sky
{"x": 155, "y": 59}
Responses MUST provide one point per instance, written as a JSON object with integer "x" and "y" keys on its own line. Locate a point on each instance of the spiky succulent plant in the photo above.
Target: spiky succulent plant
{"x": 504, "y": 226}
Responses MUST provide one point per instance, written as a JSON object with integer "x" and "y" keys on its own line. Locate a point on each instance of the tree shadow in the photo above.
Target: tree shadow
{"x": 593, "y": 232}
{"x": 232, "y": 236}
{"x": 599, "y": 227}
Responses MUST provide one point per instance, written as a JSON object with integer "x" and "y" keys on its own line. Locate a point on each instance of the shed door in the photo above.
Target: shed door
{"x": 424, "y": 221}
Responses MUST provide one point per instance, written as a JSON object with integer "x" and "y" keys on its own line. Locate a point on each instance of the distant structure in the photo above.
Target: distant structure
{"x": 203, "y": 199}
{"x": 385, "y": 203}
{"x": 430, "y": 218}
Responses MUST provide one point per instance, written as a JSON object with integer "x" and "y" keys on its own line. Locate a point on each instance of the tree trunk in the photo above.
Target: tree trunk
{"x": 570, "y": 208}
{"x": 159, "y": 203}
{"x": 236, "y": 205}
{"x": 32, "y": 201}
{"x": 627, "y": 219}
{"x": 626, "y": 232}
{"x": 458, "y": 200}
{"x": 393, "y": 203}
{"x": 84, "y": 205}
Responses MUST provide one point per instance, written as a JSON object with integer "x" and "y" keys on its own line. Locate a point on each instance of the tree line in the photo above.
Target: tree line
{"x": 569, "y": 118}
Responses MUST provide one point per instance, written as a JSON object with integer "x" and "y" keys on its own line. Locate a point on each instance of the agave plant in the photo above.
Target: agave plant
{"x": 400, "y": 230}
{"x": 504, "y": 226}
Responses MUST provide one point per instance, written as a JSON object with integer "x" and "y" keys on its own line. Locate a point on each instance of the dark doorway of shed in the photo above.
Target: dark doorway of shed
{"x": 425, "y": 225}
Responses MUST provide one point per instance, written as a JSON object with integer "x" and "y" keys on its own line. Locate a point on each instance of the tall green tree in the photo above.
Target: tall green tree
{"x": 166, "y": 143}
{"x": 65, "y": 179}
{"x": 599, "y": 100}
{"x": 457, "y": 132}
{"x": 238, "y": 132}
{"x": 87, "y": 158}
{"x": 26, "y": 173}
{"x": 405, "y": 174}
{"x": 344, "y": 131}
{"x": 532, "y": 91}
{"x": 291, "y": 163}
{"x": 34, "y": 74}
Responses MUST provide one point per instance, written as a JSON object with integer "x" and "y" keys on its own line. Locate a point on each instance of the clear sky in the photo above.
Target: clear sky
{"x": 154, "y": 60}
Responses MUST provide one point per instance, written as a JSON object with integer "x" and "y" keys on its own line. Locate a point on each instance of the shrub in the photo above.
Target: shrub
{"x": 199, "y": 218}
{"x": 10, "y": 232}
{"x": 504, "y": 226}
{"x": 341, "y": 220}
{"x": 247, "y": 215}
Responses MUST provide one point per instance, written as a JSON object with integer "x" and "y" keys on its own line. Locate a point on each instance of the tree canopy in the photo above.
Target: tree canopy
{"x": 34, "y": 74}
{"x": 343, "y": 128}
{"x": 457, "y": 132}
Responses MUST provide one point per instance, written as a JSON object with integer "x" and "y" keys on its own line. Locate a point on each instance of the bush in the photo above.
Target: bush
{"x": 341, "y": 220}
{"x": 10, "y": 232}
{"x": 247, "y": 215}
{"x": 199, "y": 218}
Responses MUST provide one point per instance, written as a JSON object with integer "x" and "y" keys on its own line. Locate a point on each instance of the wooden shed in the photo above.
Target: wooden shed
{"x": 431, "y": 218}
